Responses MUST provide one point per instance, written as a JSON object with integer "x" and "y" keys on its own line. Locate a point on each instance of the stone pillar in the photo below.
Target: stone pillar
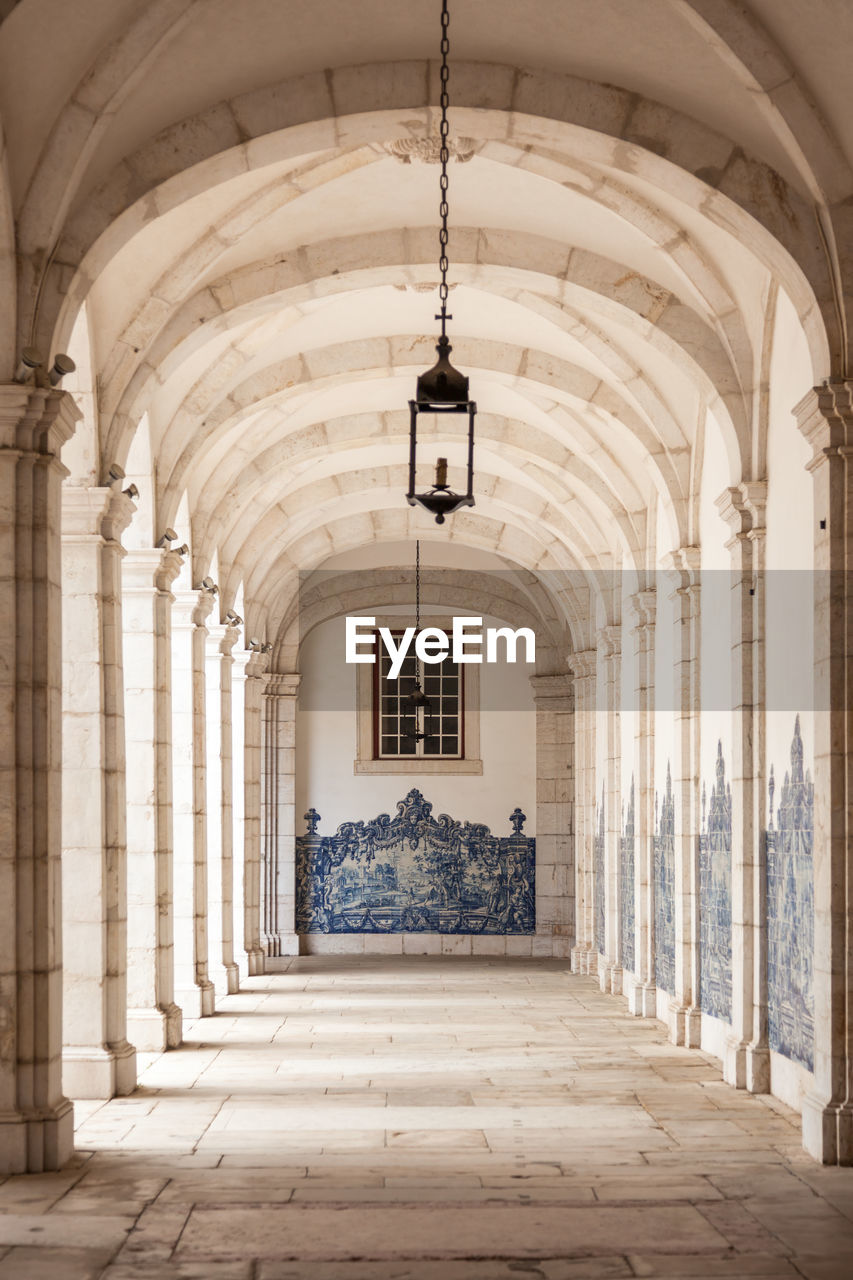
{"x": 98, "y": 1061}
{"x": 747, "y": 1060}
{"x": 36, "y": 1121}
{"x": 555, "y": 889}
{"x": 253, "y": 758}
{"x": 241, "y": 660}
{"x": 220, "y": 640}
{"x": 642, "y": 998}
{"x": 279, "y": 814}
{"x": 609, "y": 967}
{"x": 685, "y": 1019}
{"x": 583, "y": 667}
{"x": 154, "y": 1020}
{"x": 193, "y": 989}
{"x": 825, "y": 416}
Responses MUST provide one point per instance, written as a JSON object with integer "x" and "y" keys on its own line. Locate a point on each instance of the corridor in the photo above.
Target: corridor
{"x": 429, "y": 1118}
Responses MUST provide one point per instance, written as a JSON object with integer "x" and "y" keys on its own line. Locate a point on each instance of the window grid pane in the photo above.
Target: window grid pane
{"x": 443, "y": 686}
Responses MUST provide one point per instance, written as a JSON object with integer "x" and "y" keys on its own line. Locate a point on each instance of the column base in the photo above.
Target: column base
{"x": 107, "y": 1071}
{"x": 746, "y": 1067}
{"x": 610, "y": 976}
{"x": 255, "y": 959}
{"x": 583, "y": 958}
{"x": 757, "y": 1068}
{"x": 643, "y": 1000}
{"x": 39, "y": 1142}
{"x": 155, "y": 1030}
{"x": 197, "y": 1001}
{"x": 226, "y": 979}
{"x": 685, "y": 1025}
{"x": 828, "y": 1130}
{"x": 282, "y": 944}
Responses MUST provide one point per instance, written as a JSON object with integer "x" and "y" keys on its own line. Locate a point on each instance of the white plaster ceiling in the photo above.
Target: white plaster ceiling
{"x": 209, "y": 182}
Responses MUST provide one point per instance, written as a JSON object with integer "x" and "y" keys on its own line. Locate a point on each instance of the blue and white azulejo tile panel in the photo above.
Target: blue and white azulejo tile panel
{"x": 665, "y": 888}
{"x": 414, "y": 873}
{"x": 790, "y": 912}
{"x": 715, "y": 897}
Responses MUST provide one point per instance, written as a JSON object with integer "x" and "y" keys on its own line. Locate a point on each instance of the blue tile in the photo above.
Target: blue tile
{"x": 715, "y": 897}
{"x": 790, "y": 912}
{"x": 627, "y": 847}
{"x": 665, "y": 888}
{"x": 415, "y": 874}
{"x": 598, "y": 875}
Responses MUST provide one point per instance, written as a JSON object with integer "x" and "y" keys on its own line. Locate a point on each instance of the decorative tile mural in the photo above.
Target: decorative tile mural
{"x": 415, "y": 874}
{"x": 626, "y": 884}
{"x": 665, "y": 888}
{"x": 598, "y": 875}
{"x": 715, "y": 888}
{"x": 790, "y": 912}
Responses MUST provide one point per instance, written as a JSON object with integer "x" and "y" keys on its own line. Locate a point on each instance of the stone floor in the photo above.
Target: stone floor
{"x": 430, "y": 1119}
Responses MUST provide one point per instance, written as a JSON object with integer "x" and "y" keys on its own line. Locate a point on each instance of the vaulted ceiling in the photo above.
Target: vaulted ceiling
{"x": 223, "y": 212}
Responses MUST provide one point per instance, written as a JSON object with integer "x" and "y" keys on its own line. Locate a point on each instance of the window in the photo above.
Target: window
{"x": 393, "y": 715}
{"x": 454, "y": 693}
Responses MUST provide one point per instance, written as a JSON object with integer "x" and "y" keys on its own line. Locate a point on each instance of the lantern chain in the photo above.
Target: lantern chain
{"x": 444, "y": 157}
{"x": 417, "y": 587}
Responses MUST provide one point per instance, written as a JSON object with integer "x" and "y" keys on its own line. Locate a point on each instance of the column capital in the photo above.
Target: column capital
{"x": 36, "y": 419}
{"x": 684, "y": 564}
{"x": 281, "y": 684}
{"x": 583, "y": 664}
{"x": 825, "y": 417}
{"x": 256, "y": 664}
{"x": 221, "y": 638}
{"x": 192, "y": 608}
{"x": 610, "y": 640}
{"x": 643, "y": 605}
{"x": 547, "y": 687}
{"x": 95, "y": 511}
{"x": 743, "y": 507}
{"x": 151, "y": 568}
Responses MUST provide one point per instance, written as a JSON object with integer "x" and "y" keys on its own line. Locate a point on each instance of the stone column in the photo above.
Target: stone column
{"x": 747, "y": 1060}
{"x": 642, "y": 998}
{"x": 193, "y": 989}
{"x": 279, "y": 813}
{"x": 154, "y": 1020}
{"x": 609, "y": 967}
{"x": 241, "y": 659}
{"x": 583, "y": 667}
{"x": 555, "y": 889}
{"x": 253, "y": 758}
{"x": 685, "y": 1019}
{"x": 221, "y": 638}
{"x": 98, "y": 1061}
{"x": 825, "y": 416}
{"x": 36, "y": 1121}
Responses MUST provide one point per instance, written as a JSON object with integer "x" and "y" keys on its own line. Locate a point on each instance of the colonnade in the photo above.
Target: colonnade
{"x": 138, "y": 898}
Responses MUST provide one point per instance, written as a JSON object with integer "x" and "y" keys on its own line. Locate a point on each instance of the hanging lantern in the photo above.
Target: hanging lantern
{"x": 418, "y": 708}
{"x": 442, "y": 389}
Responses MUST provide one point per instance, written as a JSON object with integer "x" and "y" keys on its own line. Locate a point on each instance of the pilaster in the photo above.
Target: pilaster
{"x": 747, "y": 1060}
{"x": 685, "y": 1020}
{"x": 279, "y": 815}
{"x": 194, "y": 990}
{"x": 609, "y": 965}
{"x": 583, "y": 665}
{"x": 221, "y": 638}
{"x": 154, "y": 1019}
{"x": 36, "y": 1120}
{"x": 642, "y": 997}
{"x": 552, "y": 696}
{"x": 825, "y": 417}
{"x": 98, "y": 1060}
{"x": 253, "y": 762}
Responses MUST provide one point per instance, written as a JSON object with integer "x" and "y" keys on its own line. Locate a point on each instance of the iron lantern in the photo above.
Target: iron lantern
{"x": 442, "y": 389}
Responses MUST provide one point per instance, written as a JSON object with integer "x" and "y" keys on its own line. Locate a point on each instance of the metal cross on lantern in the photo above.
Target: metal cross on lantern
{"x": 442, "y": 389}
